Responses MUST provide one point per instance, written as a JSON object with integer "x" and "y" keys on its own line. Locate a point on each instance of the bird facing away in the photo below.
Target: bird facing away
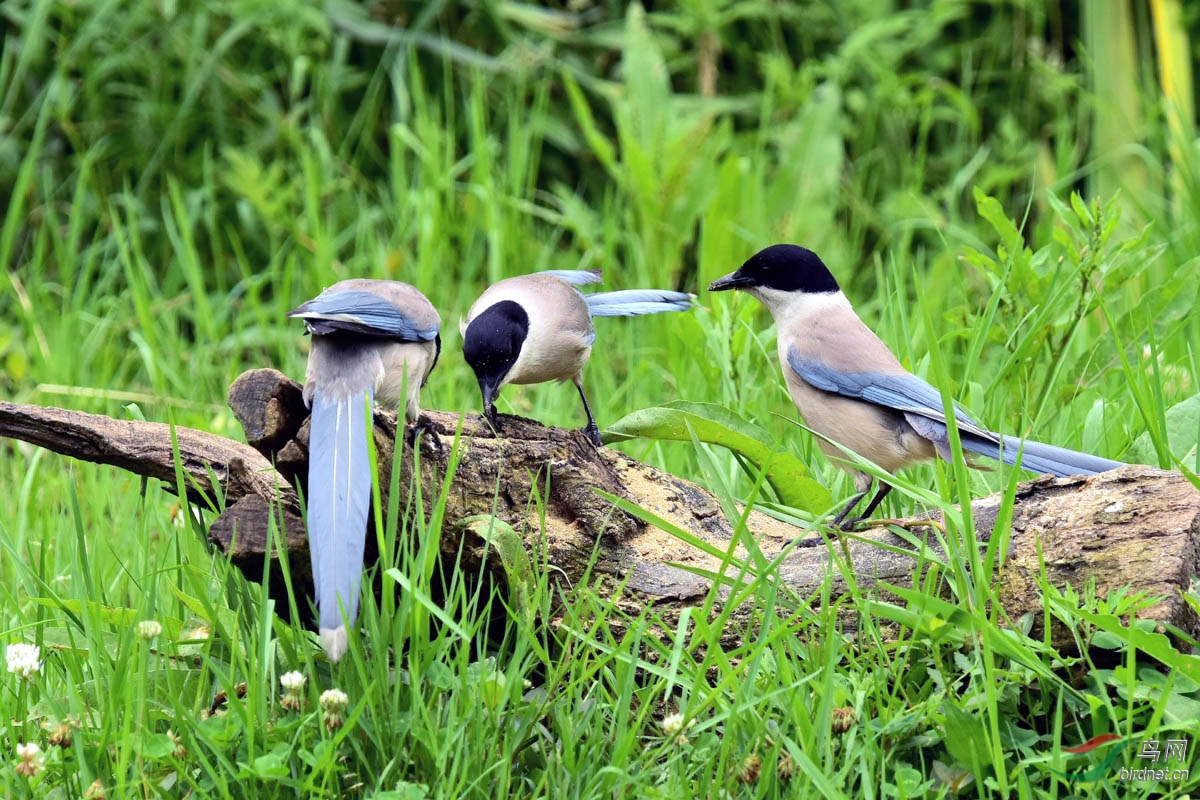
{"x": 537, "y": 328}
{"x": 851, "y": 389}
{"x": 373, "y": 342}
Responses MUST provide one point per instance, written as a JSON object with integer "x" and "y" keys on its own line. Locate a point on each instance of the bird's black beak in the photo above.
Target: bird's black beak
{"x": 734, "y": 280}
{"x": 488, "y": 386}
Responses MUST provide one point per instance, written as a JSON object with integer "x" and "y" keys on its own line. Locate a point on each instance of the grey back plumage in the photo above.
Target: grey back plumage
{"x": 388, "y": 309}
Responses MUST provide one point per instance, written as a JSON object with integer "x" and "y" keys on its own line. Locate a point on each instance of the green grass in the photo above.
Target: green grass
{"x": 179, "y": 178}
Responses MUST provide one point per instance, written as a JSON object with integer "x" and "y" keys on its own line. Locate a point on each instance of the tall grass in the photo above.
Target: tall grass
{"x": 178, "y": 177}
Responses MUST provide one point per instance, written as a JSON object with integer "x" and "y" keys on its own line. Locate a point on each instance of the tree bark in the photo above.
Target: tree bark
{"x": 1135, "y": 527}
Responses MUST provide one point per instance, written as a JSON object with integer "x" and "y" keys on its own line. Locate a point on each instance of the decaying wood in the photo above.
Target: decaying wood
{"x": 146, "y": 448}
{"x": 1136, "y": 527}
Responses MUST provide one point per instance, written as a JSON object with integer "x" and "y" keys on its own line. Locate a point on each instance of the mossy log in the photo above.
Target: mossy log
{"x": 1136, "y": 528}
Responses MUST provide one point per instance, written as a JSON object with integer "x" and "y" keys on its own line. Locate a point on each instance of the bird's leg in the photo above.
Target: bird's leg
{"x": 423, "y": 425}
{"x": 844, "y": 521}
{"x": 836, "y": 522}
{"x": 884, "y": 488}
{"x": 591, "y": 430}
{"x": 841, "y": 522}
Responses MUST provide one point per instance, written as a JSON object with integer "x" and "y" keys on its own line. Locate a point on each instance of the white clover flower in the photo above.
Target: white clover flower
{"x": 293, "y": 685}
{"x": 293, "y": 682}
{"x": 23, "y": 660}
{"x": 30, "y": 759}
{"x": 333, "y": 703}
{"x": 334, "y": 700}
{"x": 674, "y": 727}
{"x": 149, "y": 628}
{"x": 672, "y": 724}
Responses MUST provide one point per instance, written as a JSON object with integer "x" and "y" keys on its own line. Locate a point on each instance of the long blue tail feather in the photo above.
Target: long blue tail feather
{"x": 1038, "y": 457}
{"x": 635, "y": 302}
{"x": 339, "y": 498}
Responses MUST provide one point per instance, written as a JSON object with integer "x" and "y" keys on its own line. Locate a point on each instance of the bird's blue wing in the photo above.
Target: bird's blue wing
{"x": 575, "y": 277}
{"x": 921, "y": 405}
{"x": 363, "y": 313}
{"x": 905, "y": 393}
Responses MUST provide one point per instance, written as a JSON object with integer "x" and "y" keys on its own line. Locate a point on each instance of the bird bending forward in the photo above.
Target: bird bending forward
{"x": 537, "y": 328}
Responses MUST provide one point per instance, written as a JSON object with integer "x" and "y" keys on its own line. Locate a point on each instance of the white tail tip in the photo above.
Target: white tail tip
{"x": 335, "y": 641}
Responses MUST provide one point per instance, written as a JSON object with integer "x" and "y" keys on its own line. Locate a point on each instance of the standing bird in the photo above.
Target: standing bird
{"x": 537, "y": 328}
{"x": 851, "y": 389}
{"x": 373, "y": 341}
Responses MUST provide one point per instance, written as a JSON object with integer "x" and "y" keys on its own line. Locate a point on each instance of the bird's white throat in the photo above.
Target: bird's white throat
{"x": 789, "y": 305}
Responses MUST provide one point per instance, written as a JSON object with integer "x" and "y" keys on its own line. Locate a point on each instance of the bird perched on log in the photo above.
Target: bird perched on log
{"x": 852, "y": 390}
{"x": 537, "y": 328}
{"x": 374, "y": 341}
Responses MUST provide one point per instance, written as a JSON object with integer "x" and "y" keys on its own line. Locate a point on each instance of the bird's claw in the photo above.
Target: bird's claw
{"x": 423, "y": 428}
{"x": 807, "y": 541}
{"x": 592, "y": 432}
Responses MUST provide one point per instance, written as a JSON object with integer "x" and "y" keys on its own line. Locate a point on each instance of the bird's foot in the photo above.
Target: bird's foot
{"x": 592, "y": 432}
{"x": 806, "y": 541}
{"x": 424, "y": 429}
{"x": 854, "y": 524}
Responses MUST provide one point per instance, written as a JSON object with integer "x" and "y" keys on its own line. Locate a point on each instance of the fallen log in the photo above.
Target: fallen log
{"x": 1136, "y": 528}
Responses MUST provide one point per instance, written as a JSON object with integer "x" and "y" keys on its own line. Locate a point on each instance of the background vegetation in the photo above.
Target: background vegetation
{"x": 177, "y": 176}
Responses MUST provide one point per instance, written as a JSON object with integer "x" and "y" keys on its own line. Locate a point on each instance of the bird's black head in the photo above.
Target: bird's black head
{"x": 783, "y": 267}
{"x": 492, "y": 343}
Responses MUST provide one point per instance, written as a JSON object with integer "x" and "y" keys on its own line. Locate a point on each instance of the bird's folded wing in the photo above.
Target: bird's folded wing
{"x": 905, "y": 393}
{"x": 363, "y": 313}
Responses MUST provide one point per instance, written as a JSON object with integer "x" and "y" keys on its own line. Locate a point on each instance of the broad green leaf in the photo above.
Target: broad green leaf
{"x": 1155, "y": 645}
{"x": 157, "y": 746}
{"x": 1181, "y": 709}
{"x": 716, "y": 424}
{"x": 990, "y": 209}
{"x": 273, "y": 764}
{"x": 1183, "y": 431}
{"x": 511, "y": 548}
{"x": 966, "y": 736}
